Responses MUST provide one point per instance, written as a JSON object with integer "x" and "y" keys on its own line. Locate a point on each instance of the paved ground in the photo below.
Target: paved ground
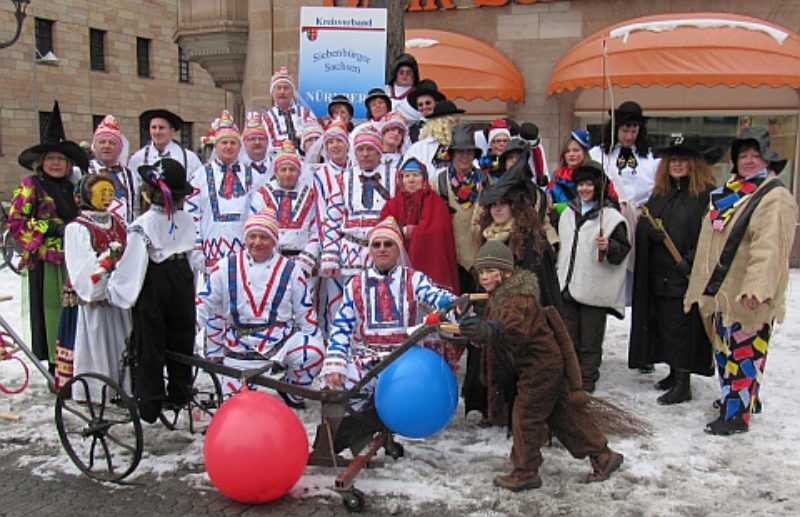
{"x": 58, "y": 494}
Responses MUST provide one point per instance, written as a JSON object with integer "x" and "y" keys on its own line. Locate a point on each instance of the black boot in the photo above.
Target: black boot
{"x": 667, "y": 382}
{"x": 723, "y": 427}
{"x": 681, "y": 390}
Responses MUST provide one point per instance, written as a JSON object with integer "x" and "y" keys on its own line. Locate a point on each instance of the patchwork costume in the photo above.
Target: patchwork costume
{"x": 758, "y": 215}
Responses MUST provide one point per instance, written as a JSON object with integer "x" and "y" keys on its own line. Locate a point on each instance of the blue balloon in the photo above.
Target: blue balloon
{"x": 417, "y": 395}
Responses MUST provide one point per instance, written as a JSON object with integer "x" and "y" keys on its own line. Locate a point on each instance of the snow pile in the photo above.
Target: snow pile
{"x": 676, "y": 470}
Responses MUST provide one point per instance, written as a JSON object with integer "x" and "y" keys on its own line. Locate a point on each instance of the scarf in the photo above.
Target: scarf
{"x": 466, "y": 189}
{"x": 412, "y": 205}
{"x": 62, "y": 191}
{"x": 727, "y": 198}
{"x": 499, "y": 232}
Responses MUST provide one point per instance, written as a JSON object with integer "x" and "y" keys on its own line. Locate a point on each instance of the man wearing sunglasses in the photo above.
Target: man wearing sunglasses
{"x": 379, "y": 305}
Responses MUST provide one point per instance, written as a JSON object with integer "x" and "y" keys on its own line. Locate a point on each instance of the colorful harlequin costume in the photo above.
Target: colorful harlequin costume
{"x": 270, "y": 308}
{"x": 285, "y": 126}
{"x": 296, "y": 213}
{"x": 353, "y": 208}
{"x": 758, "y": 269}
{"x": 40, "y": 208}
{"x": 327, "y": 180}
{"x": 378, "y": 308}
{"x": 254, "y": 128}
{"x": 220, "y": 204}
{"x": 126, "y": 204}
{"x": 93, "y": 243}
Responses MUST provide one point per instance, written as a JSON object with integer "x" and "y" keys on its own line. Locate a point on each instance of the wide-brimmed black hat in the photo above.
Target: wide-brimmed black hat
{"x": 341, "y": 99}
{"x": 464, "y": 139}
{"x": 377, "y": 93}
{"x": 758, "y": 136}
{"x": 174, "y": 120}
{"x": 691, "y": 148}
{"x": 589, "y": 170}
{"x": 171, "y": 171}
{"x": 628, "y": 113}
{"x": 518, "y": 178}
{"x": 425, "y": 87}
{"x": 444, "y": 109}
{"x": 54, "y": 142}
{"x": 515, "y": 145}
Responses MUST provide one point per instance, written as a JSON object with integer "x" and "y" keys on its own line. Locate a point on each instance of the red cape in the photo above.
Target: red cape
{"x": 432, "y": 249}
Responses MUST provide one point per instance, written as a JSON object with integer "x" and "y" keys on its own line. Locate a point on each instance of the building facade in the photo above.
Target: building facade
{"x": 97, "y": 58}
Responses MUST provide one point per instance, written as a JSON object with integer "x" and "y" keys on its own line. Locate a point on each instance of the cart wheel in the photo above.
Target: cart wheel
{"x": 353, "y": 500}
{"x": 102, "y": 434}
{"x": 206, "y": 399}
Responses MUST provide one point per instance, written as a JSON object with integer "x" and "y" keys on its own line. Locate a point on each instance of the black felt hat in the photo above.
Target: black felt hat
{"x": 445, "y": 109}
{"x": 629, "y": 112}
{"x": 341, "y": 99}
{"x": 689, "y": 148}
{"x": 425, "y": 87}
{"x": 56, "y": 142}
{"x": 376, "y": 93}
{"x": 171, "y": 171}
{"x": 174, "y": 120}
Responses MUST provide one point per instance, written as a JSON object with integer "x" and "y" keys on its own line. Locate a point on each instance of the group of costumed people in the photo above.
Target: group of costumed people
{"x": 316, "y": 243}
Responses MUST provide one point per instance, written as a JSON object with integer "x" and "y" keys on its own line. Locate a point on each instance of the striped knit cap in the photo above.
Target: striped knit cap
{"x": 311, "y": 130}
{"x": 265, "y": 221}
{"x": 281, "y": 76}
{"x": 387, "y": 229}
{"x": 287, "y": 155}
{"x": 369, "y": 135}
{"x": 254, "y": 125}
{"x": 226, "y": 128}
{"x": 336, "y": 129}
{"x": 494, "y": 254}
{"x": 108, "y": 127}
{"x": 394, "y": 120}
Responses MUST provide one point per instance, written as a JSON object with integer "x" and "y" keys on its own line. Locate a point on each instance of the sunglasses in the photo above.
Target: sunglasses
{"x": 382, "y": 244}
{"x": 425, "y": 103}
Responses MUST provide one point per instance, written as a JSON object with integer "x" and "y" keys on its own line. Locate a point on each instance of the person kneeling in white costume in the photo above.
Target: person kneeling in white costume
{"x": 269, "y": 308}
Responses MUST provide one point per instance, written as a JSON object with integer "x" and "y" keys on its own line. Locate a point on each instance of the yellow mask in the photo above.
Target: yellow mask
{"x": 101, "y": 195}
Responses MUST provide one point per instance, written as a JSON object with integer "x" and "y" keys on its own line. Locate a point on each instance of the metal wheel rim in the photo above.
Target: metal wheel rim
{"x": 97, "y": 420}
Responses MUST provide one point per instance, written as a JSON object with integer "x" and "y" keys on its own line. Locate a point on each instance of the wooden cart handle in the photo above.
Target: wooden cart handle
{"x": 453, "y": 328}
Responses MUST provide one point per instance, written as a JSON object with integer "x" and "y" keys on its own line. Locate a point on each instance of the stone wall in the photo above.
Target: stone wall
{"x": 82, "y": 92}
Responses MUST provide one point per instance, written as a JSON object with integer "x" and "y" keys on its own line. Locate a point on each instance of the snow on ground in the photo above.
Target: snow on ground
{"x": 676, "y": 470}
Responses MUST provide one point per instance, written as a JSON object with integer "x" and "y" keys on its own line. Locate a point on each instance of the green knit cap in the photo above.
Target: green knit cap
{"x": 494, "y": 254}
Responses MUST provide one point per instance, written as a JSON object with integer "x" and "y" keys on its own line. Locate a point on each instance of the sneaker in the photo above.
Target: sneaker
{"x": 603, "y": 465}
{"x": 723, "y": 427}
{"x": 291, "y": 401}
{"x": 519, "y": 480}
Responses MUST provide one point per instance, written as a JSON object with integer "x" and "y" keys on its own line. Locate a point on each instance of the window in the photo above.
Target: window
{"x": 183, "y": 66}
{"x": 186, "y": 134}
{"x": 44, "y": 36}
{"x": 44, "y": 116}
{"x": 143, "y": 57}
{"x": 96, "y": 119}
{"x": 97, "y": 49}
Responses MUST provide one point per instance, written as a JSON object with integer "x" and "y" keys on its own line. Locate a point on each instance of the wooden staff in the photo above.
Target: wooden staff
{"x": 601, "y": 254}
{"x": 668, "y": 242}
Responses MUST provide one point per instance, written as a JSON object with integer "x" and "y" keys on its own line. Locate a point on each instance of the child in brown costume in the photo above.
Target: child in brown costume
{"x": 549, "y": 395}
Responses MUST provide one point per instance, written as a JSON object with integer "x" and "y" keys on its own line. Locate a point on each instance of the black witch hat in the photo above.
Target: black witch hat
{"x": 518, "y": 177}
{"x": 54, "y": 142}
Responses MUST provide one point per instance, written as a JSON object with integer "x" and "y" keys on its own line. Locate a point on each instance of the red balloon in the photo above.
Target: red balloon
{"x": 256, "y": 448}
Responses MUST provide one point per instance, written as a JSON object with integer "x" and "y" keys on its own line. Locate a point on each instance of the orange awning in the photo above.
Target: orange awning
{"x": 464, "y": 67}
{"x": 710, "y": 49}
